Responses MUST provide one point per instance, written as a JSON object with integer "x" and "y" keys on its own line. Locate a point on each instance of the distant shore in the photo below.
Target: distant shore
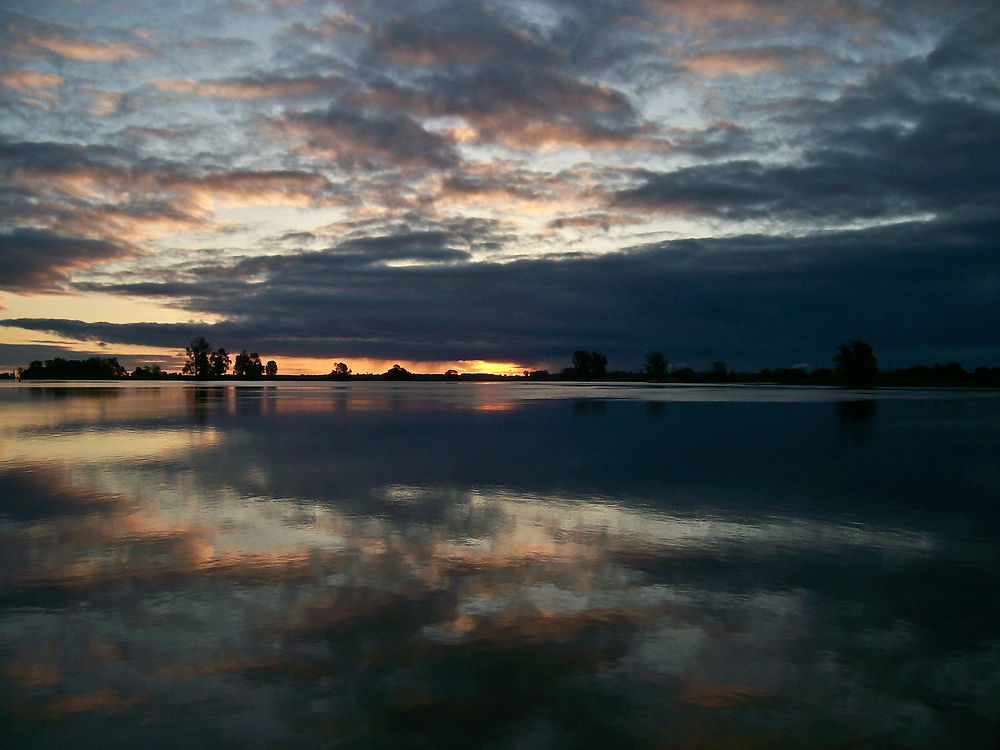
{"x": 891, "y": 379}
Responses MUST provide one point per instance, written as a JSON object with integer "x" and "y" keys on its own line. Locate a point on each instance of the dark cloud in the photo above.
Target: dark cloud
{"x": 355, "y": 140}
{"x": 145, "y": 334}
{"x": 755, "y": 301}
{"x": 34, "y": 260}
{"x": 53, "y": 156}
{"x": 522, "y": 108}
{"x": 944, "y": 158}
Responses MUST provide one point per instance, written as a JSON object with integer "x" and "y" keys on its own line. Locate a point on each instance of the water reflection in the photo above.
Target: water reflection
{"x": 392, "y": 566}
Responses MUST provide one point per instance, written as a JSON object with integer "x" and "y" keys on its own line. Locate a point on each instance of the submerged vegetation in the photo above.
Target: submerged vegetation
{"x": 855, "y": 366}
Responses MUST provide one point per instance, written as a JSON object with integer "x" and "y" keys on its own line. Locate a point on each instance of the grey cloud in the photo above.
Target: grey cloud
{"x": 521, "y": 107}
{"x": 718, "y": 139}
{"x": 52, "y": 156}
{"x": 426, "y": 246}
{"x": 299, "y": 237}
{"x": 419, "y": 243}
{"x": 531, "y": 91}
{"x": 459, "y": 32}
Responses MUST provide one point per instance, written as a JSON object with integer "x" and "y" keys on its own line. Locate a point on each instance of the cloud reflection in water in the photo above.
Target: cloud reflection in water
{"x": 368, "y": 566}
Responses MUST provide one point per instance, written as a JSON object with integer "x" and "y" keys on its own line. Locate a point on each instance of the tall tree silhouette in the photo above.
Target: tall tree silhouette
{"x": 218, "y": 362}
{"x": 656, "y": 366}
{"x": 856, "y": 364}
{"x": 197, "y": 357}
{"x": 589, "y": 365}
{"x": 248, "y": 365}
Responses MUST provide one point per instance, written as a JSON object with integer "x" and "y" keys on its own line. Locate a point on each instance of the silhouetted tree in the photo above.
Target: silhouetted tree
{"x": 598, "y": 365}
{"x": 271, "y": 368}
{"x": 248, "y": 365}
{"x": 397, "y": 372}
{"x": 720, "y": 370}
{"x": 685, "y": 374}
{"x": 197, "y": 358}
{"x": 589, "y": 365}
{"x": 954, "y": 370}
{"x": 856, "y": 364}
{"x": 341, "y": 371}
{"x": 218, "y": 362}
{"x": 451, "y": 374}
{"x": 656, "y": 366}
{"x": 147, "y": 372}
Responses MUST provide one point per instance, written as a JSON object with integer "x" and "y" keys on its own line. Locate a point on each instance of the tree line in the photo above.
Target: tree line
{"x": 854, "y": 365}
{"x": 92, "y": 368}
{"x": 203, "y": 362}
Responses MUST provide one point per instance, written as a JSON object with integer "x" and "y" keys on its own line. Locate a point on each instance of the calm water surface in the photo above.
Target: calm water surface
{"x": 489, "y": 565}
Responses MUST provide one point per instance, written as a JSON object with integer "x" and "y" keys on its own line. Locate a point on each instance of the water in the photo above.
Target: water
{"x": 491, "y": 565}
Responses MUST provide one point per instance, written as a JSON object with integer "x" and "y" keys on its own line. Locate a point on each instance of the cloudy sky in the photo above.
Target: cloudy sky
{"x": 490, "y": 185}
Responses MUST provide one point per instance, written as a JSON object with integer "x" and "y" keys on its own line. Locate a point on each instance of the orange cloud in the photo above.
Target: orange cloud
{"x": 104, "y": 103}
{"x": 82, "y": 50}
{"x": 250, "y": 88}
{"x": 333, "y": 24}
{"x": 254, "y": 188}
{"x": 748, "y": 62}
{"x": 450, "y": 50}
{"x": 30, "y": 80}
{"x": 700, "y": 13}
{"x": 558, "y": 134}
{"x": 97, "y": 200}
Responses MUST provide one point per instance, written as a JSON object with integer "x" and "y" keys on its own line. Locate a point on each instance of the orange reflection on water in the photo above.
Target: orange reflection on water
{"x": 108, "y": 700}
{"x": 712, "y": 695}
{"x": 33, "y": 669}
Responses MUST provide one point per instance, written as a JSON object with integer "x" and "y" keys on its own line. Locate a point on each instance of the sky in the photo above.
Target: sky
{"x": 493, "y": 185}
